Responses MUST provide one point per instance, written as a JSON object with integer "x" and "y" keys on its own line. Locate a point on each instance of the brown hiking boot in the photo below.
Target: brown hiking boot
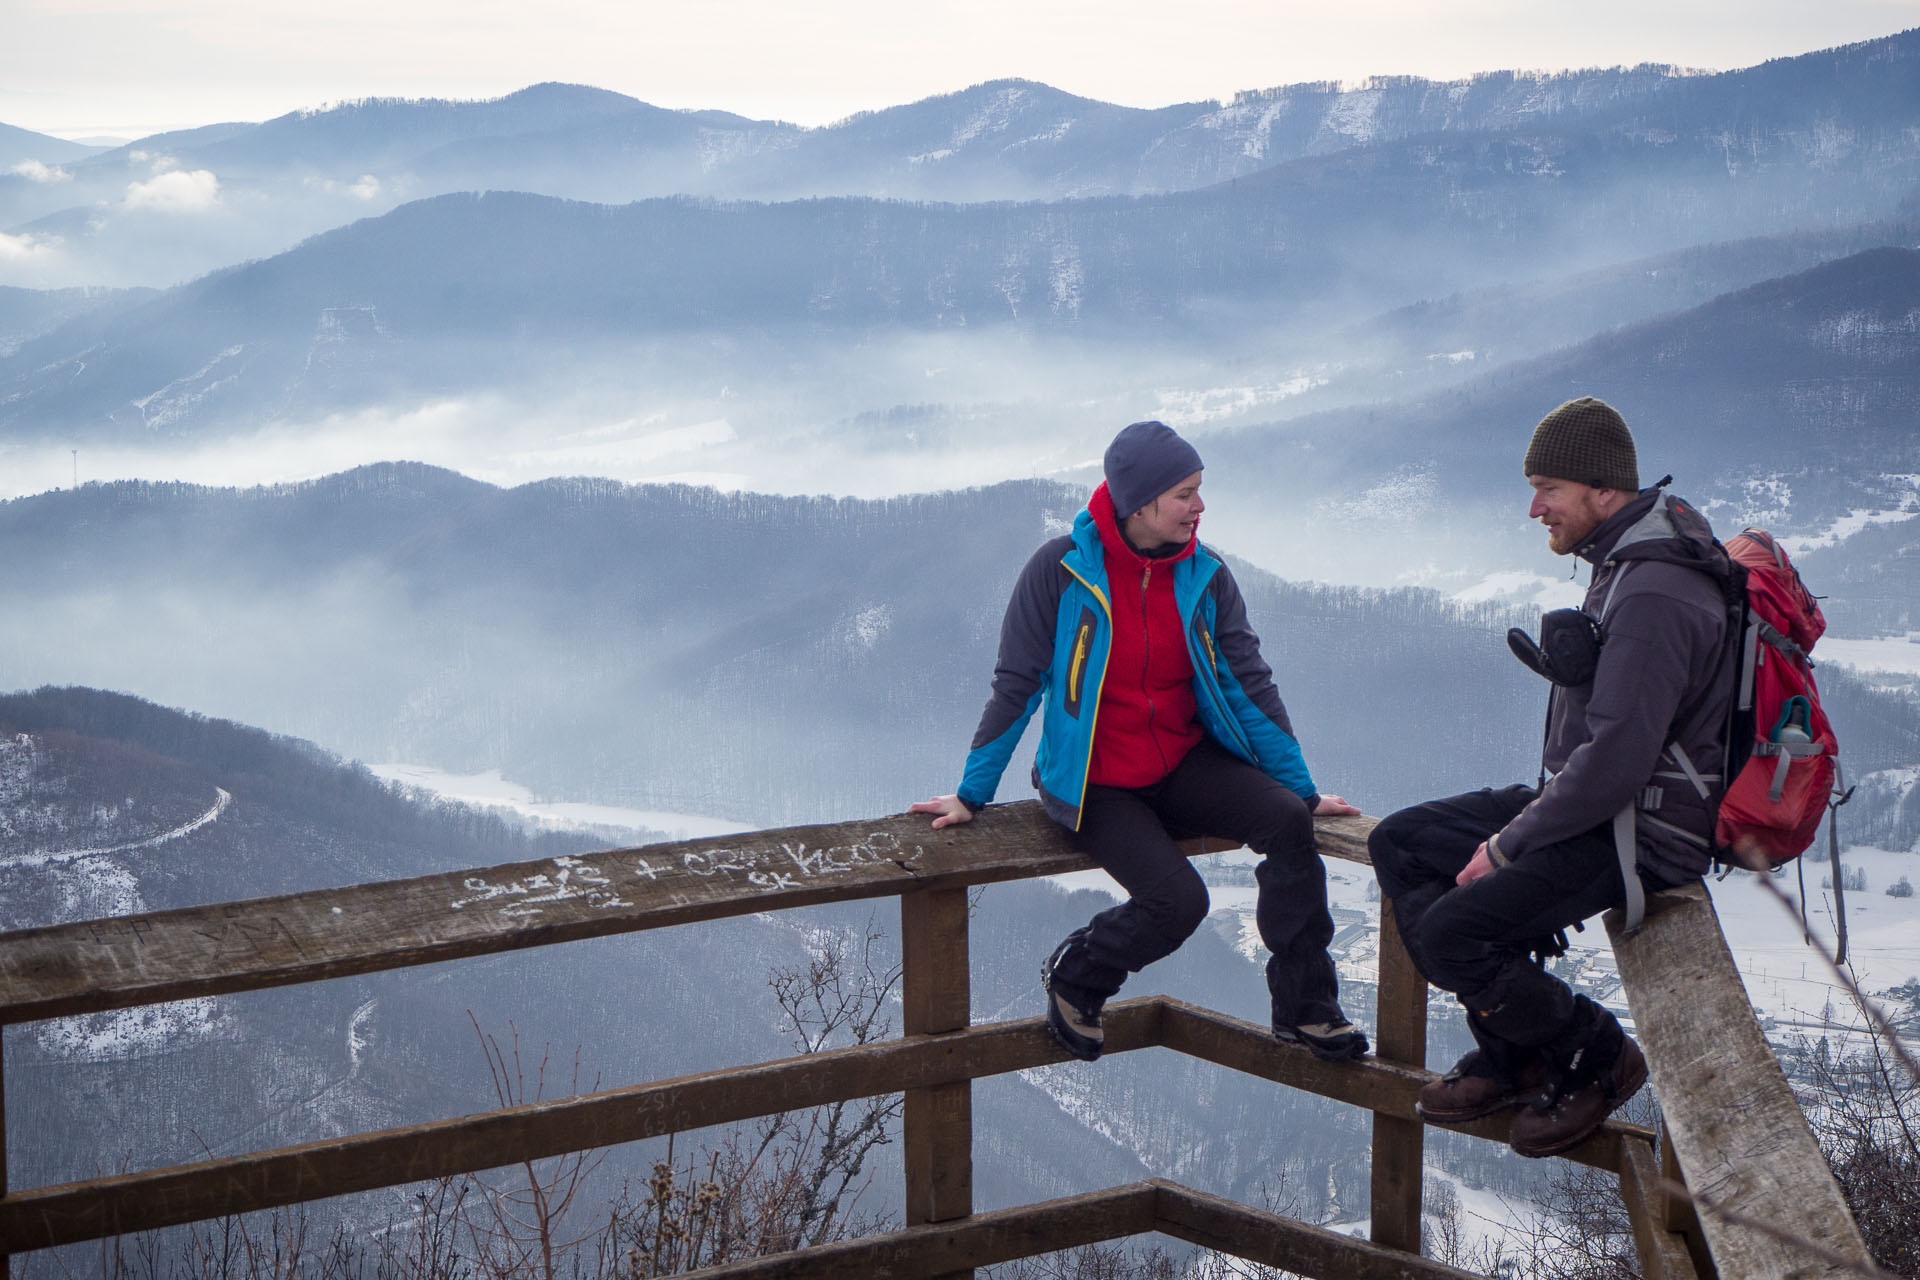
{"x": 1475, "y": 1088}
{"x": 1580, "y": 1108}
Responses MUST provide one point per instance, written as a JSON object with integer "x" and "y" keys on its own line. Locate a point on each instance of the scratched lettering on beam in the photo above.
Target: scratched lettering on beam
{"x": 571, "y": 880}
{"x": 240, "y": 937}
{"x": 790, "y": 865}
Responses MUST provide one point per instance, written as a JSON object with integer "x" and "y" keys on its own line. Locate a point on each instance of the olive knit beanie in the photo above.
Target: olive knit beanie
{"x": 1144, "y": 461}
{"x": 1587, "y": 441}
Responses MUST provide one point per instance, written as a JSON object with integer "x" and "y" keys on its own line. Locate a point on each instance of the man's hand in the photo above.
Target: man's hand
{"x": 949, "y": 810}
{"x": 1481, "y": 865}
{"x": 1335, "y": 807}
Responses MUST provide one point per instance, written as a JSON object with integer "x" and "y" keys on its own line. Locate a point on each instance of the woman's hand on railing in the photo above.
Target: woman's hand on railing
{"x": 948, "y": 810}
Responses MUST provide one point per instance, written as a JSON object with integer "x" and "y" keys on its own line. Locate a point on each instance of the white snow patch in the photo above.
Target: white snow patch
{"x": 359, "y": 1035}
{"x": 1845, "y": 527}
{"x": 1520, "y": 587}
{"x": 53, "y": 857}
{"x": 124, "y": 1034}
{"x": 1066, "y": 281}
{"x": 1402, "y": 498}
{"x": 19, "y": 757}
{"x": 870, "y": 624}
{"x": 1787, "y": 982}
{"x": 1896, "y": 654}
{"x": 1188, "y": 407}
{"x": 994, "y": 116}
{"x": 173, "y": 401}
{"x": 489, "y": 790}
{"x": 1862, "y": 333}
{"x": 1354, "y": 113}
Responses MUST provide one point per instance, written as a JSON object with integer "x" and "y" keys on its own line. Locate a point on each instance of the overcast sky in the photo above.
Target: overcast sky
{"x": 128, "y": 67}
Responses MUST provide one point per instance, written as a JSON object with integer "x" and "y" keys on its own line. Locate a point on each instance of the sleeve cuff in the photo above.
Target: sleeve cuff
{"x": 1494, "y": 855}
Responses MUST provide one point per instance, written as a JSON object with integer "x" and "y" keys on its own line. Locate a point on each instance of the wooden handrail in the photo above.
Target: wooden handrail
{"x": 125, "y": 961}
{"x": 1736, "y": 1131}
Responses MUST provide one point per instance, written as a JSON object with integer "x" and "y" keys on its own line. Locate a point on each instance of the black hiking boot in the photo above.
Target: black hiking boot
{"x": 1335, "y": 1041}
{"x": 1073, "y": 1013}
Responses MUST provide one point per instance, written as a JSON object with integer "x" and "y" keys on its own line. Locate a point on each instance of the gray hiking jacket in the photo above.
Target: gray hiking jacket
{"x": 1664, "y": 677}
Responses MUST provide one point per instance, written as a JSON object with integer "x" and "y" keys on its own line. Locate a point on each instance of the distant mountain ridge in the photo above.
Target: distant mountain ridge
{"x": 1523, "y": 181}
{"x": 1790, "y": 403}
{"x": 24, "y": 146}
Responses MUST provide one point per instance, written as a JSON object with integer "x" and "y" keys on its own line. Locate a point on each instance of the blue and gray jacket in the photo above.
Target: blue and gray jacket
{"x": 1054, "y": 643}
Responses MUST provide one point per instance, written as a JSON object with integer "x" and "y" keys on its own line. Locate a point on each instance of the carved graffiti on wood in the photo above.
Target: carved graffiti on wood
{"x": 788, "y": 865}
{"x": 520, "y": 899}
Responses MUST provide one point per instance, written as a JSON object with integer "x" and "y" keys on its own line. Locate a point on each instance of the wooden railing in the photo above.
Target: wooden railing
{"x": 1731, "y": 1127}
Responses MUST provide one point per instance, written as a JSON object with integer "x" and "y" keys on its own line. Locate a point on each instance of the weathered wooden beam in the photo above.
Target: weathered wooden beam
{"x": 1400, "y": 1024}
{"x": 1678, "y": 1214}
{"x": 1074, "y": 1221}
{"x": 238, "y": 946}
{"x": 1296, "y": 1247}
{"x": 304, "y": 937}
{"x": 64, "y": 1214}
{"x": 1736, "y": 1130}
{"x": 1662, "y": 1251}
{"x": 1385, "y": 1088}
{"x": 978, "y": 1241}
{"x": 70, "y": 1212}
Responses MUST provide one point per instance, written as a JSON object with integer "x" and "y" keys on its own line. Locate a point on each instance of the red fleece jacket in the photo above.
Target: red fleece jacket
{"x": 1148, "y": 717}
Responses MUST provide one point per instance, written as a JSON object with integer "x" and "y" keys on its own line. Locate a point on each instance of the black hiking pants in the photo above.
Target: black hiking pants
{"x": 1483, "y": 941}
{"x": 1212, "y": 792}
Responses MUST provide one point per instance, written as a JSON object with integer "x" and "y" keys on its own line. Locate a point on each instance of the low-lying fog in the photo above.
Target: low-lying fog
{"x": 891, "y": 416}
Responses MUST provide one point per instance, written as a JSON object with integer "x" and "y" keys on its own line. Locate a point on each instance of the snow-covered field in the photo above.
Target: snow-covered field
{"x": 1898, "y": 655}
{"x": 1786, "y": 978}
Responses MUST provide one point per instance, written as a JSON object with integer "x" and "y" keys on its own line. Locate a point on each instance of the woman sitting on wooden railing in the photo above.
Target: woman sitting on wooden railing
{"x": 1159, "y": 714}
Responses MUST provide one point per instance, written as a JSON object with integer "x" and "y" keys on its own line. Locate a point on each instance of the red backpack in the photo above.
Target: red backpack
{"x": 1782, "y": 757}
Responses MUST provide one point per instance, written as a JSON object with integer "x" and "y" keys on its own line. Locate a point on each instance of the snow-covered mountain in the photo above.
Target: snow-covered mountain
{"x": 175, "y": 205}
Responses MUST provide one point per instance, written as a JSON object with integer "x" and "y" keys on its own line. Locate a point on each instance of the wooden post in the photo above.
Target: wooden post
{"x": 1401, "y": 1034}
{"x": 1663, "y": 1252}
{"x": 1677, "y": 1215}
{"x": 938, "y": 1125}
{"x": 6, "y": 1262}
{"x": 1733, "y": 1124}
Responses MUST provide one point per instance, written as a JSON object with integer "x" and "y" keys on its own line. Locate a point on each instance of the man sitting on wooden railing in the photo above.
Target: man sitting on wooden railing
{"x": 1159, "y": 713}
{"x": 1624, "y": 805}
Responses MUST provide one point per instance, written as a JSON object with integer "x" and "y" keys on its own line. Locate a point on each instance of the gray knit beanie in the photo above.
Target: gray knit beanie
{"x": 1143, "y": 462}
{"x": 1587, "y": 441}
